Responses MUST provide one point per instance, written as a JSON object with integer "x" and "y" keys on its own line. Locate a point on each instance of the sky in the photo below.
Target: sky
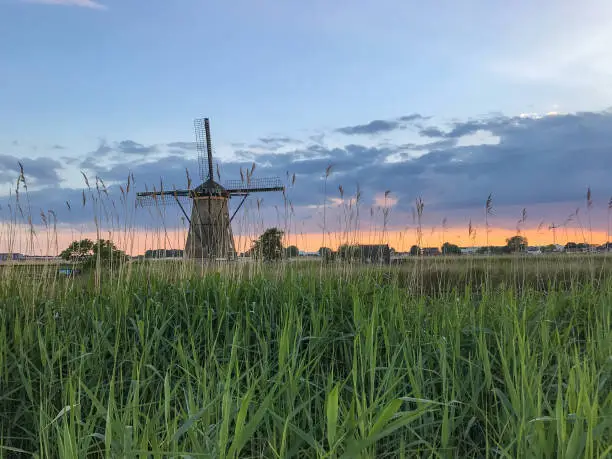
{"x": 449, "y": 102}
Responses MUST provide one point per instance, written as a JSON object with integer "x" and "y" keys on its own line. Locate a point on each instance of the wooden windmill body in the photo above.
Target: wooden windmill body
{"x": 210, "y": 224}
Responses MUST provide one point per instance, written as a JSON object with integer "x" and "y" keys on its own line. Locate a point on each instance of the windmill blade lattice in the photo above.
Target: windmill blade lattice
{"x": 253, "y": 185}
{"x": 204, "y": 148}
{"x": 162, "y": 198}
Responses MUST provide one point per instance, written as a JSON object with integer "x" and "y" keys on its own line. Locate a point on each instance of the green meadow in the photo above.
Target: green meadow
{"x": 453, "y": 357}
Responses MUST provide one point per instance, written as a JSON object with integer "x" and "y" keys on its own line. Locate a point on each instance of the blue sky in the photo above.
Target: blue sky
{"x": 77, "y": 75}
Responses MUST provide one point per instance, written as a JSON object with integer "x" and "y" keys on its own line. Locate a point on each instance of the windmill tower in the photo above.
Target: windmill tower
{"x": 210, "y": 230}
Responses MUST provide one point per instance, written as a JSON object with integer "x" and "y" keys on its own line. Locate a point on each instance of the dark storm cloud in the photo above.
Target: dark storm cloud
{"x": 545, "y": 160}
{"x": 40, "y": 170}
{"x": 537, "y": 161}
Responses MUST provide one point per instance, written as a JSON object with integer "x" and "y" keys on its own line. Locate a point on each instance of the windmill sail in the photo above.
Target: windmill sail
{"x": 238, "y": 187}
{"x": 201, "y": 127}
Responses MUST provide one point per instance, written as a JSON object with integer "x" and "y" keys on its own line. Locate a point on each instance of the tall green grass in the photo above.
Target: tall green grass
{"x": 304, "y": 361}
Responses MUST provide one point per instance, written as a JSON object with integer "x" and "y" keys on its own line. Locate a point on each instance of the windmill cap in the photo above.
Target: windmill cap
{"x": 210, "y": 187}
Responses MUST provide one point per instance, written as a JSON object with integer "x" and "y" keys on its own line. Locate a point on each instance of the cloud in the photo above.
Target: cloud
{"x": 431, "y": 146}
{"x": 58, "y": 147}
{"x": 134, "y": 148}
{"x": 410, "y": 118}
{"x": 112, "y": 153}
{"x": 41, "y": 170}
{"x": 373, "y": 127}
{"x": 464, "y": 128}
{"x": 272, "y": 143}
{"x": 317, "y": 138}
{"x": 103, "y": 149}
{"x": 182, "y": 145}
{"x": 431, "y": 132}
{"x": 380, "y": 126}
{"x": 70, "y": 160}
{"x": 281, "y": 140}
{"x": 538, "y": 162}
{"x": 80, "y": 3}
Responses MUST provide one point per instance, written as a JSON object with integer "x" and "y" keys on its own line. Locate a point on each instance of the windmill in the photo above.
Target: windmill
{"x": 210, "y": 230}
{"x": 554, "y": 228}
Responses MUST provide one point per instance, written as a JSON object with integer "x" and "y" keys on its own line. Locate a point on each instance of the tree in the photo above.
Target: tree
{"x": 88, "y": 252}
{"x": 292, "y": 251}
{"x": 269, "y": 246}
{"x": 325, "y": 253}
{"x": 348, "y": 252}
{"x": 78, "y": 251}
{"x": 415, "y": 250}
{"x": 108, "y": 252}
{"x": 493, "y": 250}
{"x": 516, "y": 243}
{"x": 450, "y": 249}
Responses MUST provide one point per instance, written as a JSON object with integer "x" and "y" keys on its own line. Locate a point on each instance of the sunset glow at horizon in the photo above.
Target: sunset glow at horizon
{"x": 137, "y": 242}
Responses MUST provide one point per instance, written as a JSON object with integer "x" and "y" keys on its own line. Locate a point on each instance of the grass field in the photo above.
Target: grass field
{"x": 467, "y": 357}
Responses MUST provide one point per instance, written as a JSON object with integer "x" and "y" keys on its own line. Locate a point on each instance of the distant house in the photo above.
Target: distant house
{"x": 40, "y": 258}
{"x": 607, "y": 247}
{"x": 572, "y": 247}
{"x": 431, "y": 251}
{"x": 380, "y": 254}
{"x": 11, "y": 256}
{"x": 469, "y": 250}
{"x": 163, "y": 253}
